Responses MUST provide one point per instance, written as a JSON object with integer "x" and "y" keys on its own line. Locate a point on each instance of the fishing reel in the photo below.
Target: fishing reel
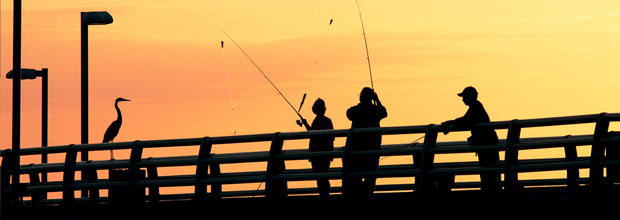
{"x": 301, "y": 122}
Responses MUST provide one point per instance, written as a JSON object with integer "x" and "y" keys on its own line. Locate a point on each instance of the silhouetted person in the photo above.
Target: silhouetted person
{"x": 113, "y": 129}
{"x": 364, "y": 115}
{"x": 479, "y": 136}
{"x": 320, "y": 165}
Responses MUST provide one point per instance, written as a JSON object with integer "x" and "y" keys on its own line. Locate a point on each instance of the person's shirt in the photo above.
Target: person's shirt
{"x": 365, "y": 115}
{"x": 321, "y": 122}
{"x": 476, "y": 114}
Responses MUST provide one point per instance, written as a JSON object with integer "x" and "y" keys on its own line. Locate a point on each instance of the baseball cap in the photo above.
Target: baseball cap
{"x": 468, "y": 91}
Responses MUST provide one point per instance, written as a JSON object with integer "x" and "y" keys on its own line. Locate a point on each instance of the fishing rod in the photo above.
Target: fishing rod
{"x": 232, "y": 104}
{"x": 265, "y": 75}
{"x": 365, "y": 44}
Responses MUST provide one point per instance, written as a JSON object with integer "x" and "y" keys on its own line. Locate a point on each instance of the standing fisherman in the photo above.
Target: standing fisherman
{"x": 479, "y": 137}
{"x": 364, "y": 115}
{"x": 320, "y": 165}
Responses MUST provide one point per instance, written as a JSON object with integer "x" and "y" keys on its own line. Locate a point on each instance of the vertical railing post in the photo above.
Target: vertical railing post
{"x": 92, "y": 177}
{"x": 153, "y": 190}
{"x": 511, "y": 178}
{"x": 5, "y": 184}
{"x": 427, "y": 159}
{"x": 216, "y": 188}
{"x": 202, "y": 169}
{"x": 346, "y": 167}
{"x": 417, "y": 161}
{"x": 572, "y": 174}
{"x": 135, "y": 194}
{"x": 598, "y": 151}
{"x": 68, "y": 178}
{"x": 274, "y": 189}
{"x": 36, "y": 196}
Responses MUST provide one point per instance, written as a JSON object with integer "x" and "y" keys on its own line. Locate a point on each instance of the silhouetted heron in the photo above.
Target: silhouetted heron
{"x": 112, "y": 131}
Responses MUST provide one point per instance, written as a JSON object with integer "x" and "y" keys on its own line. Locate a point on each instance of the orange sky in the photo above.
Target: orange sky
{"x": 527, "y": 58}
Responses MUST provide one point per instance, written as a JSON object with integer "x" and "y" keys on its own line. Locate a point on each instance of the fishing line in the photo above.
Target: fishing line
{"x": 232, "y": 104}
{"x": 265, "y": 75}
{"x": 412, "y": 144}
{"x": 365, "y": 44}
{"x": 257, "y": 189}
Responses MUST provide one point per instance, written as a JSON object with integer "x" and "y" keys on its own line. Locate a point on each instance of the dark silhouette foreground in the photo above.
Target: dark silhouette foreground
{"x": 479, "y": 136}
{"x": 363, "y": 115}
{"x": 320, "y": 165}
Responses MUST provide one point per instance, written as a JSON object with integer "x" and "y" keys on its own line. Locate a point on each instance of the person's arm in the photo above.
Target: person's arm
{"x": 351, "y": 114}
{"x": 461, "y": 122}
{"x": 382, "y": 109}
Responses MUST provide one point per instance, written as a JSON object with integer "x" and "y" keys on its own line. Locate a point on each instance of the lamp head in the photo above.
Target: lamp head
{"x": 96, "y": 18}
{"x": 26, "y": 74}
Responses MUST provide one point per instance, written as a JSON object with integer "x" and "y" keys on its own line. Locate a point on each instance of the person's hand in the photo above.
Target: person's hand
{"x": 301, "y": 122}
{"x": 444, "y": 127}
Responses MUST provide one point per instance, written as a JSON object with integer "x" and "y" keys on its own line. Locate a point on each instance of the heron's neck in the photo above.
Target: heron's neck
{"x": 118, "y": 111}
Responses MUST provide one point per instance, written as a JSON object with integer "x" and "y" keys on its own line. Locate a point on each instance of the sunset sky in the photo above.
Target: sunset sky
{"x": 527, "y": 58}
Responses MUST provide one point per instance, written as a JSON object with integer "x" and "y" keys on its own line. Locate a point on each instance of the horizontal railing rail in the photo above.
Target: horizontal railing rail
{"x": 207, "y": 179}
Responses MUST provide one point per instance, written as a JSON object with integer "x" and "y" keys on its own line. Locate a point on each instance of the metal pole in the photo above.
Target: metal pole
{"x": 17, "y": 37}
{"x": 84, "y": 60}
{"x": 44, "y": 119}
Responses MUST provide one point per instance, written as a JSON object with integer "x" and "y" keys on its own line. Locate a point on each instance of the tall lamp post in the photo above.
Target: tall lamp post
{"x": 33, "y": 74}
{"x": 88, "y": 18}
{"x": 17, "y": 88}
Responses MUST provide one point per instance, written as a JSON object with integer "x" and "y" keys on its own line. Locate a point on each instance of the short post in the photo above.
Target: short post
{"x": 5, "y": 184}
{"x": 512, "y": 157}
{"x": 36, "y": 196}
{"x": 216, "y": 188}
{"x": 346, "y": 179}
{"x": 68, "y": 197}
{"x": 91, "y": 177}
{"x": 202, "y": 168}
{"x": 598, "y": 151}
{"x": 427, "y": 159}
{"x": 572, "y": 174}
{"x": 274, "y": 189}
{"x": 153, "y": 190}
{"x": 135, "y": 194}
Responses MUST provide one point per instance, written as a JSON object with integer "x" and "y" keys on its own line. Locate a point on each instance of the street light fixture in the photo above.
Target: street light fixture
{"x": 88, "y": 18}
{"x": 33, "y": 74}
{"x": 27, "y": 73}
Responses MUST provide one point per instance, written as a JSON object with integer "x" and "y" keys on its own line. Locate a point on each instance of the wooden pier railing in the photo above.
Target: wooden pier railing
{"x": 142, "y": 173}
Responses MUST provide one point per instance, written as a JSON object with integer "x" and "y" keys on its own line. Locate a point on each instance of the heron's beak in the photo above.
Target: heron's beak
{"x": 124, "y": 99}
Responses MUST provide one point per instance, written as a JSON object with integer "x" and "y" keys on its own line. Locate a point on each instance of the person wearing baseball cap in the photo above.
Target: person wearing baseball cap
{"x": 476, "y": 114}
